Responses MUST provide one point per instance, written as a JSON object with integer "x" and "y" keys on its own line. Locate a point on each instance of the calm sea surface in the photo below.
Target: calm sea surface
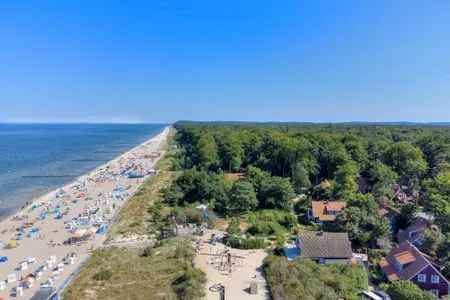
{"x": 37, "y": 158}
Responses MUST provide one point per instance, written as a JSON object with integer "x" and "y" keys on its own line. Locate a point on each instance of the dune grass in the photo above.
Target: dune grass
{"x": 164, "y": 271}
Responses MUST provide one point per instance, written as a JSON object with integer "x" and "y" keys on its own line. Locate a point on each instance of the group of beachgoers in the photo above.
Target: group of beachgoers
{"x": 70, "y": 217}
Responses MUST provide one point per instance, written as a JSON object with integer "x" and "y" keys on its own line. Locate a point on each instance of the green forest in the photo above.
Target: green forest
{"x": 272, "y": 164}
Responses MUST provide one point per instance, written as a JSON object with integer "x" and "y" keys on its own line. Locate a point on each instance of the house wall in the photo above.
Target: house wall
{"x": 342, "y": 261}
{"x": 442, "y": 286}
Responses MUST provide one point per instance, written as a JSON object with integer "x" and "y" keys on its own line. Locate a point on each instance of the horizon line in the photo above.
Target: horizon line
{"x": 220, "y": 121}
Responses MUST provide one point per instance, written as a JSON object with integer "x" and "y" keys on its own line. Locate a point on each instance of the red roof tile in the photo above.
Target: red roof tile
{"x": 320, "y": 209}
{"x": 409, "y": 256}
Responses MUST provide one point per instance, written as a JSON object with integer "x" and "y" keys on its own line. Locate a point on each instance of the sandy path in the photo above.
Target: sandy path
{"x": 106, "y": 179}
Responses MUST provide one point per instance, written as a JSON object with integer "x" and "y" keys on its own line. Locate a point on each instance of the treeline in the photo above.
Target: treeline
{"x": 328, "y": 157}
{"x": 229, "y": 196}
{"x": 310, "y": 154}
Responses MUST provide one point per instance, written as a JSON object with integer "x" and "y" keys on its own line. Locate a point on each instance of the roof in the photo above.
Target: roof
{"x": 315, "y": 244}
{"x": 236, "y": 175}
{"x": 320, "y": 209}
{"x": 371, "y": 295}
{"x": 400, "y": 195}
{"x": 44, "y": 294}
{"x": 363, "y": 184}
{"x": 387, "y": 212}
{"x": 410, "y": 257}
{"x": 415, "y": 229}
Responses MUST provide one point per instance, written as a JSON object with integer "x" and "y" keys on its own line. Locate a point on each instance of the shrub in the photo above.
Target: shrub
{"x": 301, "y": 206}
{"x": 246, "y": 243}
{"x": 376, "y": 275}
{"x": 376, "y": 254}
{"x": 184, "y": 253}
{"x": 190, "y": 284}
{"x": 305, "y": 279}
{"x": 147, "y": 252}
{"x": 265, "y": 228}
{"x": 103, "y": 274}
{"x": 406, "y": 290}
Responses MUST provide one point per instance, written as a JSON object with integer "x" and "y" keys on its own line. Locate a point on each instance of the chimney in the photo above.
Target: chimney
{"x": 320, "y": 233}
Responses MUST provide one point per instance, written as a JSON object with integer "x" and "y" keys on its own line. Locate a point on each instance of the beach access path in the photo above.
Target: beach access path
{"x": 53, "y": 231}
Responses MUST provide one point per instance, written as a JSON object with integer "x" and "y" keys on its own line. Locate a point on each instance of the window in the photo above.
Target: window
{"x": 434, "y": 279}
{"x": 435, "y": 292}
{"x": 422, "y": 278}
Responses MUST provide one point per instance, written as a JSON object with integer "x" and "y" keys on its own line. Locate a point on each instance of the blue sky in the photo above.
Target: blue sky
{"x": 162, "y": 61}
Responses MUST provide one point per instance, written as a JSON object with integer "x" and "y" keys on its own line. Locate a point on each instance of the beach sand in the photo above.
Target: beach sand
{"x": 102, "y": 180}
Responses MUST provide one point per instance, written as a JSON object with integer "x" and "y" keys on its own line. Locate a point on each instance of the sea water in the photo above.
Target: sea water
{"x": 37, "y": 158}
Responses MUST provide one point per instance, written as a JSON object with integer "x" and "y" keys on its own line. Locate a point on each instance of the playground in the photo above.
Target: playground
{"x": 233, "y": 273}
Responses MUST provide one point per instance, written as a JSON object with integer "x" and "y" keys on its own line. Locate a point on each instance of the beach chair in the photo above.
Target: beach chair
{"x": 61, "y": 267}
{"x": 31, "y": 260}
{"x": 23, "y": 266}
{"x": 19, "y": 291}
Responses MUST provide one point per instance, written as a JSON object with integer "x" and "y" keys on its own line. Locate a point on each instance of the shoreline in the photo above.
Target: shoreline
{"x": 101, "y": 181}
{"x": 47, "y": 194}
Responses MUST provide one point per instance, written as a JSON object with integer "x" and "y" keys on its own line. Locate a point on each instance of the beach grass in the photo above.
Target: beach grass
{"x": 163, "y": 271}
{"x": 133, "y": 221}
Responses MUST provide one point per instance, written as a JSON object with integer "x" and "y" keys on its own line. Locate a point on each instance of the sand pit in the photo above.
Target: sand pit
{"x": 235, "y": 269}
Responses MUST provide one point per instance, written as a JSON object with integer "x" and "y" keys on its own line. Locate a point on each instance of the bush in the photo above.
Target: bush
{"x": 265, "y": 228}
{"x": 406, "y": 290}
{"x": 271, "y": 222}
{"x": 375, "y": 255}
{"x": 190, "y": 284}
{"x": 376, "y": 275}
{"x": 301, "y": 206}
{"x": 147, "y": 252}
{"x": 103, "y": 274}
{"x": 305, "y": 279}
{"x": 279, "y": 246}
{"x": 184, "y": 253}
{"x": 189, "y": 215}
{"x": 246, "y": 243}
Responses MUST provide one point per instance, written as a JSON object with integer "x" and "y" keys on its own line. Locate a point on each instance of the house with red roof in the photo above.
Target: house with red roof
{"x": 408, "y": 263}
{"x": 325, "y": 211}
{"x": 413, "y": 233}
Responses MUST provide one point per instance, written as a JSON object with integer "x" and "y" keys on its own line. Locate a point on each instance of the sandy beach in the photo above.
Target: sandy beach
{"x": 52, "y": 236}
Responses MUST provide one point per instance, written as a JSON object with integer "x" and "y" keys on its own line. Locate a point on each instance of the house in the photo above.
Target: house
{"x": 390, "y": 214}
{"x": 325, "y": 211}
{"x": 364, "y": 184}
{"x": 235, "y": 176}
{"x": 402, "y": 194}
{"x": 408, "y": 263}
{"x": 413, "y": 233}
{"x": 324, "y": 247}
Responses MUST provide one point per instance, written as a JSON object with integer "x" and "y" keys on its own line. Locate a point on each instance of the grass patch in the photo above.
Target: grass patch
{"x": 164, "y": 272}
